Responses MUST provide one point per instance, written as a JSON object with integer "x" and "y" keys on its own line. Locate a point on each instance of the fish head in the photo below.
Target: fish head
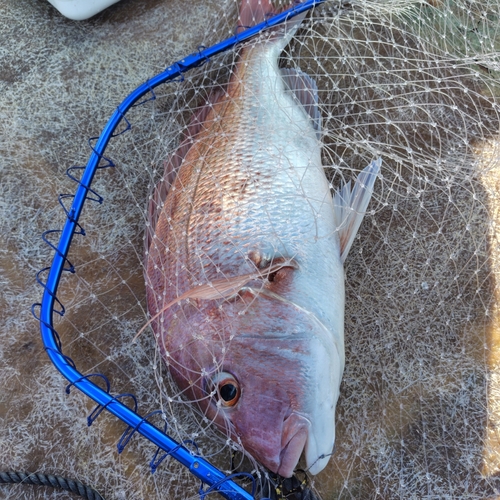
{"x": 266, "y": 372}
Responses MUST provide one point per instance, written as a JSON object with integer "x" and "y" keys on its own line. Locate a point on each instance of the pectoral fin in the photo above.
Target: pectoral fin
{"x": 219, "y": 289}
{"x": 350, "y": 205}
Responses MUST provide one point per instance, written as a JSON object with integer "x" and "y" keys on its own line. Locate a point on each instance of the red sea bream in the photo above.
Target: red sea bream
{"x": 244, "y": 265}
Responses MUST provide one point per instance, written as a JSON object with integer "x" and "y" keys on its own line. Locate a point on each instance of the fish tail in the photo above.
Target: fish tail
{"x": 350, "y": 205}
{"x": 253, "y": 12}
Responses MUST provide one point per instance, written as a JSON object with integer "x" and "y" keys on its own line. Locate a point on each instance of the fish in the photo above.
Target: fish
{"x": 244, "y": 257}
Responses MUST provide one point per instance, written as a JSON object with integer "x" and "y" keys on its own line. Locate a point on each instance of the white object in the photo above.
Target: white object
{"x": 81, "y": 9}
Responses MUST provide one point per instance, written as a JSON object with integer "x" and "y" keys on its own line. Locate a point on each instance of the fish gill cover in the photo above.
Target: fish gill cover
{"x": 414, "y": 83}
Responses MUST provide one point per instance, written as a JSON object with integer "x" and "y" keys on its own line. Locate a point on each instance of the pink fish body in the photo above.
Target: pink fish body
{"x": 244, "y": 275}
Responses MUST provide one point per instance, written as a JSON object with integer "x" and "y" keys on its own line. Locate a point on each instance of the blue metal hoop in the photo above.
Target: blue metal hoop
{"x": 203, "y": 470}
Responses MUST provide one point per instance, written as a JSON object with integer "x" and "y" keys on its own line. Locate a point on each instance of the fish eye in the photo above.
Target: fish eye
{"x": 226, "y": 387}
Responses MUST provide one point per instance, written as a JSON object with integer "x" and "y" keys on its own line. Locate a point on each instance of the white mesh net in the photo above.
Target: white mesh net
{"x": 416, "y": 84}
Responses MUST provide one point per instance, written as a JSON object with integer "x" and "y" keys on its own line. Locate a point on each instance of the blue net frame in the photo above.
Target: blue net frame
{"x": 213, "y": 478}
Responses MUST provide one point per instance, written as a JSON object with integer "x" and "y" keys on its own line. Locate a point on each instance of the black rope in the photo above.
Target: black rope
{"x": 275, "y": 487}
{"x": 293, "y": 488}
{"x": 59, "y": 482}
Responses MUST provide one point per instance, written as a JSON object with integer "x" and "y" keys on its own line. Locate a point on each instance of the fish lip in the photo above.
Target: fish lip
{"x": 293, "y": 441}
{"x": 315, "y": 461}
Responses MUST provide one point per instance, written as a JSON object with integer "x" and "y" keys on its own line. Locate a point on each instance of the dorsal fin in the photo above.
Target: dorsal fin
{"x": 350, "y": 205}
{"x": 305, "y": 90}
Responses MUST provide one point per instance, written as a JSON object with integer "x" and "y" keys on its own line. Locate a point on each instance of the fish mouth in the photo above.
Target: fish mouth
{"x": 293, "y": 441}
{"x": 315, "y": 459}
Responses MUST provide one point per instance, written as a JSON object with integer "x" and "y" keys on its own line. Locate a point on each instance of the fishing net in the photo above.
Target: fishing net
{"x": 415, "y": 83}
